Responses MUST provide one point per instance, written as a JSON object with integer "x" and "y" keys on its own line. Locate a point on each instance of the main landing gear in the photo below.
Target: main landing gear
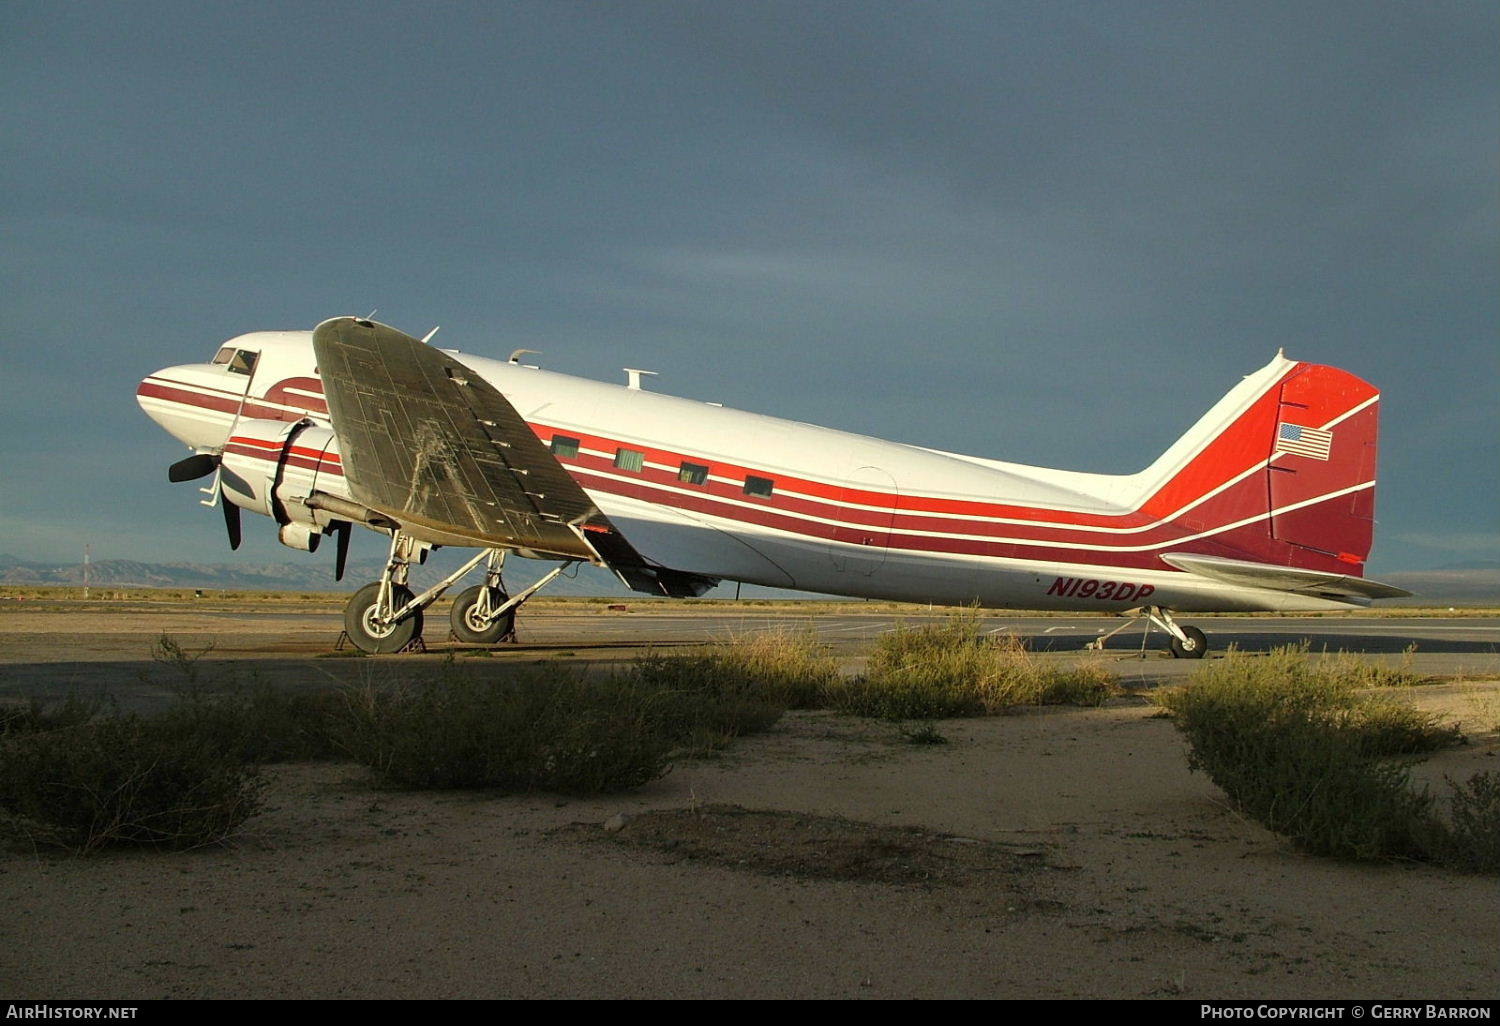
{"x": 484, "y": 614}
{"x": 1184, "y": 642}
{"x": 370, "y": 625}
{"x": 386, "y": 617}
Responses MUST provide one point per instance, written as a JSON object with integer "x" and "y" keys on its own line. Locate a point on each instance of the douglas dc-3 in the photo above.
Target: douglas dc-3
{"x": 1267, "y": 503}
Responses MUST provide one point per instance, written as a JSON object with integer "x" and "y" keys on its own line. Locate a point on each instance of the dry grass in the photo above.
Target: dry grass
{"x": 948, "y": 669}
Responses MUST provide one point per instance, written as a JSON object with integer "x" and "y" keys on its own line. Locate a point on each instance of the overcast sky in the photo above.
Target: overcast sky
{"x": 1051, "y": 232}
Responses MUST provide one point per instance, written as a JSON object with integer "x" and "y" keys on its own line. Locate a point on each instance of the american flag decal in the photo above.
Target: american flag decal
{"x": 1304, "y": 441}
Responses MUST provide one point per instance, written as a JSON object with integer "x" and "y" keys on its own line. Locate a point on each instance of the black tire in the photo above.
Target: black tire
{"x": 1194, "y": 648}
{"x": 380, "y": 641}
{"x": 471, "y": 633}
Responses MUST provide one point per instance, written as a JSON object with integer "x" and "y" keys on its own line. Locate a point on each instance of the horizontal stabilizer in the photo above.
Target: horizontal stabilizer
{"x": 1281, "y": 578}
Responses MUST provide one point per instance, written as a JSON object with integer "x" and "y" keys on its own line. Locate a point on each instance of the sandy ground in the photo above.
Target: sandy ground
{"x": 1055, "y": 853}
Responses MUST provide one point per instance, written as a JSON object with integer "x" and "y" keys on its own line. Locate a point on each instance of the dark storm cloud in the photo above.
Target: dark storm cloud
{"x": 1045, "y": 232}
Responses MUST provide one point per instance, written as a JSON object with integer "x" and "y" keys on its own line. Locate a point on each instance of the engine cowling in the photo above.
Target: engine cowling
{"x": 270, "y": 468}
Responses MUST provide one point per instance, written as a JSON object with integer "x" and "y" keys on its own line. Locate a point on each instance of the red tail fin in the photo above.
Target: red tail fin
{"x": 1321, "y": 478}
{"x": 1280, "y": 472}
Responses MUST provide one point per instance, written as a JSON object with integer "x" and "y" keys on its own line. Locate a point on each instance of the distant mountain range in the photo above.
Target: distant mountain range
{"x": 317, "y": 575}
{"x": 1473, "y": 583}
{"x": 309, "y": 576}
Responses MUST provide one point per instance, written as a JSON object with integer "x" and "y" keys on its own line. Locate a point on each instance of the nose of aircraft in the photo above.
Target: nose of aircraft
{"x": 191, "y": 401}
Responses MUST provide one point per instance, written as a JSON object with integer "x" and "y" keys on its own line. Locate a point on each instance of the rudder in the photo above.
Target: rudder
{"x": 1321, "y": 475}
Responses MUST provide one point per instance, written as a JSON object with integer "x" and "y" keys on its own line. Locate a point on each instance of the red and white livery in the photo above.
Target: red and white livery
{"x": 1267, "y": 503}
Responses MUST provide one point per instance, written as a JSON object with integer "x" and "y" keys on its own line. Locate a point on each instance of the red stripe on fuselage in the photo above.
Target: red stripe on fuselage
{"x": 995, "y": 529}
{"x": 307, "y": 459}
{"x": 218, "y": 401}
{"x": 1249, "y": 541}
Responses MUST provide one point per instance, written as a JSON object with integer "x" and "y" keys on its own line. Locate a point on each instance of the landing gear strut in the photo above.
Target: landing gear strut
{"x": 383, "y": 617}
{"x": 1183, "y": 642}
{"x": 386, "y": 617}
{"x": 377, "y": 633}
{"x": 476, "y": 618}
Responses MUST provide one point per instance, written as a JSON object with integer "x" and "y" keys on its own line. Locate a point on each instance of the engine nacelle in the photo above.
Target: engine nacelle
{"x": 271, "y": 468}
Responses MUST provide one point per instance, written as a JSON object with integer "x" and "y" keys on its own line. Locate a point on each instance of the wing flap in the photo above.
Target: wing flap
{"x": 430, "y": 443}
{"x": 1281, "y": 578}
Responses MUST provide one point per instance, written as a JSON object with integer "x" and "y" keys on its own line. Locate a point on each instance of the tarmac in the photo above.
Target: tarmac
{"x": 95, "y": 648}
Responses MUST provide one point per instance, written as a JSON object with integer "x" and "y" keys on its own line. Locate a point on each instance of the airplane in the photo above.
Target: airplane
{"x": 1267, "y": 503}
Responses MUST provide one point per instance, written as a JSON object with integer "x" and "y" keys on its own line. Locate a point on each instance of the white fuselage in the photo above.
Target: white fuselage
{"x": 723, "y": 493}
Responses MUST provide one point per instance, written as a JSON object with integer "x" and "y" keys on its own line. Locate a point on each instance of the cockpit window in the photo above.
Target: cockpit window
{"x": 240, "y": 361}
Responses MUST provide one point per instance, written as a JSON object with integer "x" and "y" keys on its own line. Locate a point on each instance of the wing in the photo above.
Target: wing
{"x": 1282, "y": 578}
{"x": 428, "y": 442}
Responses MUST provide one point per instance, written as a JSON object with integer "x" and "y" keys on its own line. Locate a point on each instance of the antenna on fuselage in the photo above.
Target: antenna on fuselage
{"x": 515, "y": 357}
{"x": 435, "y": 329}
{"x": 633, "y": 379}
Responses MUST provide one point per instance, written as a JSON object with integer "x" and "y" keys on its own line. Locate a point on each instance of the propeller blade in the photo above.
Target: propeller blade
{"x": 231, "y": 521}
{"x": 193, "y": 467}
{"x": 341, "y": 552}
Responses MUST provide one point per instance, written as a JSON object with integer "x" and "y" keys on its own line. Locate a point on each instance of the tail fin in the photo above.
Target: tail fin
{"x": 1280, "y": 472}
{"x": 1321, "y": 475}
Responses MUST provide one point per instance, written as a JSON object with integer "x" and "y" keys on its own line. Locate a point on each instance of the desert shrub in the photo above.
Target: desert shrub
{"x": 554, "y": 730}
{"x": 790, "y": 666}
{"x": 263, "y": 724}
{"x": 1350, "y": 670}
{"x": 1226, "y": 697}
{"x": 705, "y": 700}
{"x": 123, "y": 779}
{"x": 924, "y": 734}
{"x": 950, "y": 669}
{"x": 255, "y": 722}
{"x": 1320, "y": 786}
{"x": 35, "y": 714}
{"x": 1388, "y": 725}
{"x": 1304, "y": 752}
{"x": 1088, "y": 683}
{"x": 701, "y": 703}
{"x": 168, "y": 652}
{"x": 1470, "y": 840}
{"x": 547, "y": 730}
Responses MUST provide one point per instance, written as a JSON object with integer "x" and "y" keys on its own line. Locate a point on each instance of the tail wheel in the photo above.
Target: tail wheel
{"x": 471, "y": 628}
{"x": 1193, "y": 648}
{"x": 377, "y": 638}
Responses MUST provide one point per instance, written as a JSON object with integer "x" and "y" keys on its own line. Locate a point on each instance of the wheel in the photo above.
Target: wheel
{"x": 1193, "y": 648}
{"x": 371, "y": 637}
{"x": 469, "y": 628}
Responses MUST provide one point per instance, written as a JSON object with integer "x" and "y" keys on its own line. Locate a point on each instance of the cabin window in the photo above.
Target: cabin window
{"x": 565, "y": 448}
{"x": 630, "y": 459}
{"x": 761, "y": 487}
{"x": 693, "y": 474}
